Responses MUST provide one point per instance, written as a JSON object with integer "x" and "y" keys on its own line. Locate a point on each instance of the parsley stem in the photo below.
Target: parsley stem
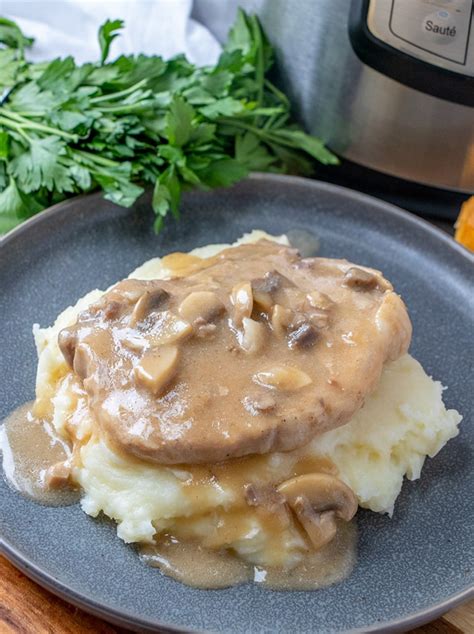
{"x": 120, "y": 94}
{"x": 278, "y": 94}
{"x": 265, "y": 135}
{"x": 15, "y": 126}
{"x": 94, "y": 158}
{"x": 269, "y": 122}
{"x": 32, "y": 125}
{"x": 260, "y": 75}
{"x": 276, "y": 110}
{"x": 259, "y": 62}
{"x": 128, "y": 108}
{"x": 244, "y": 126}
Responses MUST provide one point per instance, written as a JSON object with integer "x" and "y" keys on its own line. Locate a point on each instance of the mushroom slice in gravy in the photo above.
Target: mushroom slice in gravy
{"x": 317, "y": 499}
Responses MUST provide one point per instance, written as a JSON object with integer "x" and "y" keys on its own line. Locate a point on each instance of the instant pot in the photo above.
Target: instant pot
{"x": 388, "y": 85}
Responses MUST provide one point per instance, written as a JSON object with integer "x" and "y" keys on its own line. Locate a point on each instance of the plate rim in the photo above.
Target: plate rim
{"x": 126, "y": 619}
{"x": 393, "y": 210}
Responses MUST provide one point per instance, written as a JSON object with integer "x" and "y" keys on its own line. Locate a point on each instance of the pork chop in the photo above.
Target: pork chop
{"x": 252, "y": 351}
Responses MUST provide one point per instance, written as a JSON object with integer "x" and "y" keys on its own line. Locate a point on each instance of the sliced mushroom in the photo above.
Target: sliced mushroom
{"x": 306, "y": 263}
{"x": 266, "y": 499}
{"x": 258, "y": 403}
{"x": 112, "y": 309}
{"x": 304, "y": 335}
{"x": 58, "y": 475}
{"x": 169, "y": 329}
{"x": 204, "y": 305}
{"x": 283, "y": 377}
{"x": 360, "y": 279}
{"x": 317, "y": 499}
{"x": 82, "y": 360}
{"x": 315, "y": 299}
{"x": 319, "y": 318}
{"x": 203, "y": 329}
{"x": 262, "y": 301}
{"x": 157, "y": 367}
{"x": 253, "y": 336}
{"x": 125, "y": 292}
{"x": 269, "y": 283}
{"x": 242, "y": 300}
{"x": 263, "y": 495}
{"x": 134, "y": 342}
{"x": 253, "y": 494}
{"x": 67, "y": 341}
{"x": 148, "y": 302}
{"x": 281, "y": 319}
{"x": 263, "y": 289}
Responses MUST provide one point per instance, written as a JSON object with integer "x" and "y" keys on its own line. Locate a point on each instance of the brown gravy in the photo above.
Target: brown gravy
{"x": 29, "y": 447}
{"x": 203, "y": 568}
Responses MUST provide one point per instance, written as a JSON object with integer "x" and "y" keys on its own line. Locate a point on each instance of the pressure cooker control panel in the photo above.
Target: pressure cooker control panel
{"x": 439, "y": 32}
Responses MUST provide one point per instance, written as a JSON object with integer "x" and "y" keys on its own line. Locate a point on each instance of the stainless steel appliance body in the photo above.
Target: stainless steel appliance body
{"x": 388, "y": 84}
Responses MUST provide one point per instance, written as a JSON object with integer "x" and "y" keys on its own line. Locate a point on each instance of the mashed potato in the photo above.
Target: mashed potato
{"x": 401, "y": 423}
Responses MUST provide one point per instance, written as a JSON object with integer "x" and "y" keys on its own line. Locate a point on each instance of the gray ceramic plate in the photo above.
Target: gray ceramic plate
{"x": 410, "y": 569}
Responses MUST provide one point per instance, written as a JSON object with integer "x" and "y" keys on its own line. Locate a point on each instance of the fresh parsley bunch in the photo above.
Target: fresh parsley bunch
{"x": 141, "y": 121}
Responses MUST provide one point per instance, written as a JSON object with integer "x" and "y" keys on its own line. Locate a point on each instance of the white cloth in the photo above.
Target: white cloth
{"x": 69, "y": 27}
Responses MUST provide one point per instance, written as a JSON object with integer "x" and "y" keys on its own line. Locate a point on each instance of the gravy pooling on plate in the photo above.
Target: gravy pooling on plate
{"x": 200, "y": 567}
{"x": 203, "y": 411}
{"x": 34, "y": 456}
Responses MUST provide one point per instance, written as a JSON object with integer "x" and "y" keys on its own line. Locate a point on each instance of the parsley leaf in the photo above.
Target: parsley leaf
{"x": 226, "y": 107}
{"x": 311, "y": 145}
{"x": 40, "y": 166}
{"x": 249, "y": 151}
{"x": 15, "y": 206}
{"x": 107, "y": 34}
{"x": 179, "y": 122}
{"x": 11, "y": 36}
{"x": 9, "y": 67}
{"x": 223, "y": 173}
{"x": 167, "y": 193}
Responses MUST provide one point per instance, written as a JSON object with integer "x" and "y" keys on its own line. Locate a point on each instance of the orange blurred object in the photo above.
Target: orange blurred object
{"x": 465, "y": 224}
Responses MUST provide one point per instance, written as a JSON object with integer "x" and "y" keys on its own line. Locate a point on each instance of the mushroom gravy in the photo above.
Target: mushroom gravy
{"x": 31, "y": 450}
{"x": 200, "y": 567}
{"x": 255, "y": 350}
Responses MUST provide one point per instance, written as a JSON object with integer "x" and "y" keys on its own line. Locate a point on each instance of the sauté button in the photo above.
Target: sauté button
{"x": 440, "y": 26}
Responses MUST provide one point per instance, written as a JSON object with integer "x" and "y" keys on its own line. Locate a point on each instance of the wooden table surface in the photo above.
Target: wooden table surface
{"x": 26, "y": 608}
